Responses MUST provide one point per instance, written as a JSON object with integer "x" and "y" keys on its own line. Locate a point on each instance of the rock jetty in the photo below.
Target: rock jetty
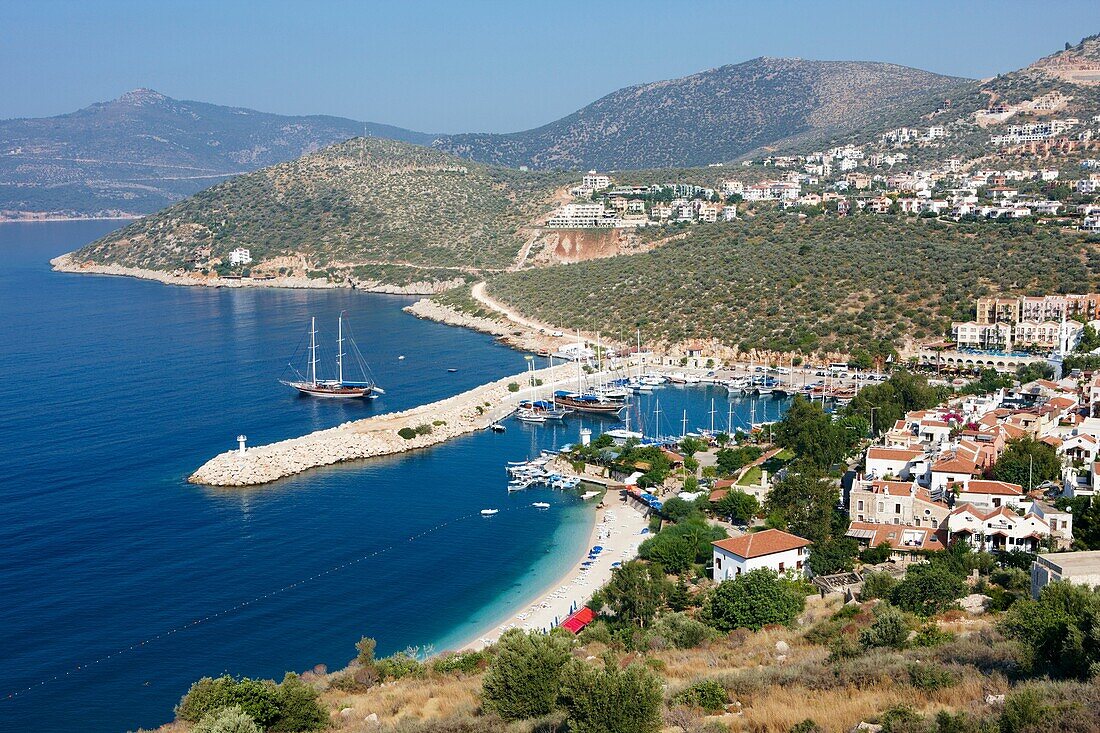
{"x": 476, "y": 409}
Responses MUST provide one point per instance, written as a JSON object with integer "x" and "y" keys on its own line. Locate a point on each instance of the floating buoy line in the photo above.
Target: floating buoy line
{"x": 242, "y": 605}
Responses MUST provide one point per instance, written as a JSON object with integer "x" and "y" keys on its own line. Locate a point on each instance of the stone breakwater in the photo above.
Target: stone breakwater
{"x": 66, "y": 263}
{"x": 376, "y": 436}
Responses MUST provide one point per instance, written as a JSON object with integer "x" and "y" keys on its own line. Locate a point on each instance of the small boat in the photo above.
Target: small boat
{"x": 452, "y": 370}
{"x": 489, "y": 512}
{"x": 530, "y": 417}
{"x": 541, "y": 408}
{"x": 541, "y": 505}
{"x": 497, "y": 427}
{"x": 401, "y": 358}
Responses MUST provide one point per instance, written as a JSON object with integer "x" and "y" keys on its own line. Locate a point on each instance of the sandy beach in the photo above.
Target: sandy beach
{"x": 618, "y": 530}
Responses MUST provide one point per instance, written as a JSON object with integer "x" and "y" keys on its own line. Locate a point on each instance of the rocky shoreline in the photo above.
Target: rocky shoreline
{"x": 473, "y": 410}
{"x": 66, "y": 263}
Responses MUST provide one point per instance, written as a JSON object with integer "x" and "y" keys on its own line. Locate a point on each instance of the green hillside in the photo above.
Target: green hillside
{"x": 361, "y": 203}
{"x": 788, "y": 284}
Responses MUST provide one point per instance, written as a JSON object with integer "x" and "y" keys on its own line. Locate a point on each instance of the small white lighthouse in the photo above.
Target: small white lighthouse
{"x": 586, "y": 436}
{"x": 240, "y": 442}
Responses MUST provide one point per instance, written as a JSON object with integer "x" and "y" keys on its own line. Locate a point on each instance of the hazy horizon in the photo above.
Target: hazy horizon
{"x": 438, "y": 68}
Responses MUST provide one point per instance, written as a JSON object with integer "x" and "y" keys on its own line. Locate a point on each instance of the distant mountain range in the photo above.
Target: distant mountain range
{"x": 142, "y": 151}
{"x": 713, "y": 116}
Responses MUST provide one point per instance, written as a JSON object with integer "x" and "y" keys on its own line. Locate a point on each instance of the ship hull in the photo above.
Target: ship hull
{"x": 330, "y": 392}
{"x": 596, "y": 408}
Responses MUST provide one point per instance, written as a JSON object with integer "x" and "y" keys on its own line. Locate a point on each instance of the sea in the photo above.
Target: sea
{"x": 121, "y": 583}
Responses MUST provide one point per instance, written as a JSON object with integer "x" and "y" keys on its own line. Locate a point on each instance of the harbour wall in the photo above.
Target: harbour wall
{"x": 473, "y": 410}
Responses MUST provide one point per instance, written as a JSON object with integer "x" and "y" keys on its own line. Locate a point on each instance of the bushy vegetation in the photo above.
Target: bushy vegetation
{"x": 927, "y": 590}
{"x": 709, "y": 695}
{"x": 288, "y": 706}
{"x": 1027, "y": 462}
{"x": 753, "y": 600}
{"x": 611, "y": 700}
{"x": 379, "y": 204}
{"x": 814, "y": 285}
{"x": 525, "y": 677}
{"x": 1060, "y": 631}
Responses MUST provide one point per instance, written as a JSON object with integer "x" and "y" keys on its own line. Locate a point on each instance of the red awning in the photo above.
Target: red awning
{"x": 578, "y": 619}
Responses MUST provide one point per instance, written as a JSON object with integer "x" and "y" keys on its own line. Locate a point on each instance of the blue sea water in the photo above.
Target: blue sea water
{"x": 115, "y": 389}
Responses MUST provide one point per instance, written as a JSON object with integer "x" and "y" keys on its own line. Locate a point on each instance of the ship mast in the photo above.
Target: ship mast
{"x": 313, "y": 349}
{"x": 340, "y": 348}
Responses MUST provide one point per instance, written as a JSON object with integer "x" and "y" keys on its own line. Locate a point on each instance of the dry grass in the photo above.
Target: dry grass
{"x": 776, "y": 690}
{"x": 432, "y": 697}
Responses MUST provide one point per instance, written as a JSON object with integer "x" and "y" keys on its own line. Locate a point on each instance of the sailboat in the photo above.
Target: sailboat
{"x": 315, "y": 386}
{"x": 589, "y": 401}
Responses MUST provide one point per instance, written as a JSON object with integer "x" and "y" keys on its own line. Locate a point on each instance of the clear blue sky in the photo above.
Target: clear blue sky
{"x": 478, "y": 66}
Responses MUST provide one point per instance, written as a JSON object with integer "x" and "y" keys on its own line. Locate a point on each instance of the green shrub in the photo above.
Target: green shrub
{"x": 398, "y": 666}
{"x": 424, "y": 429}
{"x": 932, "y": 677}
{"x": 888, "y": 630}
{"x": 932, "y": 635}
{"x": 900, "y": 719}
{"x": 753, "y": 600}
{"x": 364, "y": 649}
{"x": 407, "y": 433}
{"x": 709, "y": 695}
{"x": 876, "y": 555}
{"x": 513, "y": 386}
{"x": 466, "y": 662}
{"x": 842, "y": 648}
{"x": 1060, "y": 630}
{"x": 682, "y": 631}
{"x": 289, "y": 706}
{"x": 299, "y": 709}
{"x": 525, "y": 676}
{"x": 226, "y": 720}
{"x": 255, "y": 698}
{"x": 877, "y": 585}
{"x": 611, "y": 700}
{"x": 597, "y": 631}
{"x": 927, "y": 590}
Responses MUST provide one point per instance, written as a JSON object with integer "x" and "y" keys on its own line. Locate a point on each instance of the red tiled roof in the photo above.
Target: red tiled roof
{"x": 759, "y": 544}
{"x": 893, "y": 454}
{"x": 999, "y": 488}
{"x": 892, "y": 534}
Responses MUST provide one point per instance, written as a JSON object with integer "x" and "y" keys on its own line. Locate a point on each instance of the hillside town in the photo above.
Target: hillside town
{"x": 884, "y": 177}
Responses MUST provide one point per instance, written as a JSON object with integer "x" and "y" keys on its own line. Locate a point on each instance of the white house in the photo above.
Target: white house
{"x": 896, "y": 462}
{"x": 240, "y": 256}
{"x": 772, "y": 548}
{"x": 996, "y": 529}
{"x": 1079, "y": 568}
